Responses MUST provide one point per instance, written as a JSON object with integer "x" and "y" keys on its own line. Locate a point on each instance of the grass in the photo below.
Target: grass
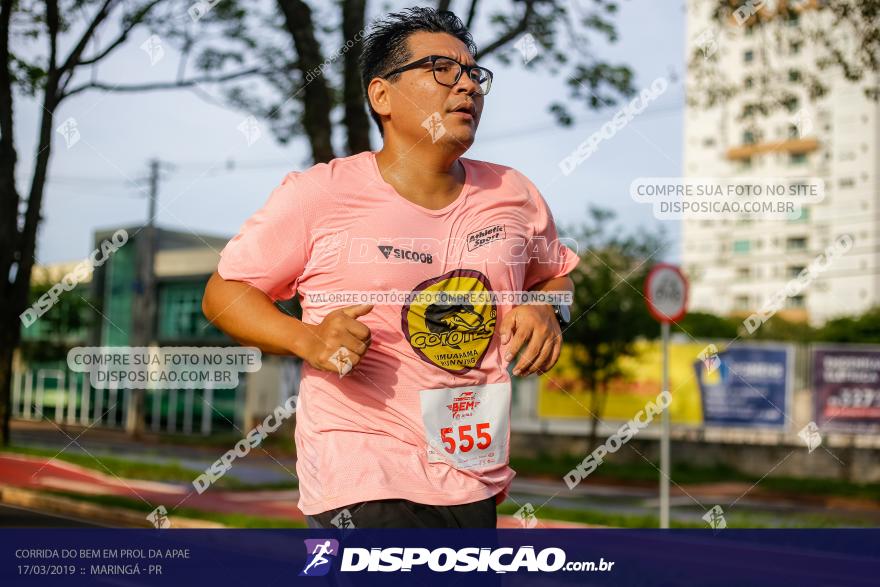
{"x": 733, "y": 520}
{"x": 549, "y": 513}
{"x": 231, "y": 520}
{"x": 686, "y": 474}
{"x": 280, "y": 443}
{"x": 595, "y": 517}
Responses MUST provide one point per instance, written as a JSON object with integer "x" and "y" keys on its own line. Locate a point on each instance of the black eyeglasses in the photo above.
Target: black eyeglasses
{"x": 447, "y": 72}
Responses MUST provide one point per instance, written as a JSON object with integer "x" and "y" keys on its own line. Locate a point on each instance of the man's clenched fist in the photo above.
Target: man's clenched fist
{"x": 339, "y": 341}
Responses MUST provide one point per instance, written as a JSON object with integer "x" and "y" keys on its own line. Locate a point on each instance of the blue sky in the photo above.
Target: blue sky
{"x": 91, "y": 183}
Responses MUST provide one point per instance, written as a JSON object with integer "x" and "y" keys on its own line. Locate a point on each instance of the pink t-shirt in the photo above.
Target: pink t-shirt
{"x": 425, "y": 415}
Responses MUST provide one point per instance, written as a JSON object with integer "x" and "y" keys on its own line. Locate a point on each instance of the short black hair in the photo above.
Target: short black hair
{"x": 385, "y": 47}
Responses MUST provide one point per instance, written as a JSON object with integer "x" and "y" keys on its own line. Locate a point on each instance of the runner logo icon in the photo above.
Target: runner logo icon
{"x": 321, "y": 553}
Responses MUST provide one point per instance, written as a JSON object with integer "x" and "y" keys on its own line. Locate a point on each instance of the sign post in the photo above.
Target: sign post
{"x": 666, "y": 290}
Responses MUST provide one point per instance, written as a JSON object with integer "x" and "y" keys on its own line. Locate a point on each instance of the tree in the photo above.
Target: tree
{"x": 280, "y": 43}
{"x": 864, "y": 328}
{"x": 705, "y": 325}
{"x": 609, "y": 312}
{"x": 51, "y": 80}
{"x": 846, "y": 40}
{"x": 71, "y": 316}
{"x": 310, "y": 56}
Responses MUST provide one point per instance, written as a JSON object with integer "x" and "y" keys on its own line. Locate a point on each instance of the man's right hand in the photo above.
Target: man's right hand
{"x": 339, "y": 341}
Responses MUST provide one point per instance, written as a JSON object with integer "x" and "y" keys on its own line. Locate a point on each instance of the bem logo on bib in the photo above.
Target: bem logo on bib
{"x": 463, "y": 405}
{"x": 451, "y": 320}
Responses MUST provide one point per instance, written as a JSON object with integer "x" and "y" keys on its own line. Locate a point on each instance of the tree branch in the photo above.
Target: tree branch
{"x": 136, "y": 19}
{"x": 472, "y": 13}
{"x": 512, "y": 34}
{"x": 166, "y": 85}
{"x": 83, "y": 42}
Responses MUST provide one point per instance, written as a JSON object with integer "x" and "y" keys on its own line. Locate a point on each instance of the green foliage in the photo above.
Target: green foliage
{"x": 778, "y": 328}
{"x": 858, "y": 329}
{"x": 63, "y": 326}
{"x": 609, "y": 312}
{"x": 706, "y": 325}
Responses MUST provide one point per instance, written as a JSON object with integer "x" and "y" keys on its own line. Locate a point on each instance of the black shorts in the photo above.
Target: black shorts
{"x": 401, "y": 513}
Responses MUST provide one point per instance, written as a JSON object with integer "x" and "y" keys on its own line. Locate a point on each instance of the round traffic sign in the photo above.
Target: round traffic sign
{"x": 667, "y": 292}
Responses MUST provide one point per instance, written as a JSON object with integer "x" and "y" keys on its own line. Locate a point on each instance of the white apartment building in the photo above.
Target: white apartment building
{"x": 736, "y": 265}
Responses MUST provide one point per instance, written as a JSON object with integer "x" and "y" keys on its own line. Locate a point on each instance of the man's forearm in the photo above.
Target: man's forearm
{"x": 248, "y": 315}
{"x": 563, "y": 283}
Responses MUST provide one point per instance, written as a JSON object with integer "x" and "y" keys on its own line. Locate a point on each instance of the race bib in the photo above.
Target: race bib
{"x": 467, "y": 427}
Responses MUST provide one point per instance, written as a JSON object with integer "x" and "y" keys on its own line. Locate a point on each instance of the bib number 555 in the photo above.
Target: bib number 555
{"x": 469, "y": 436}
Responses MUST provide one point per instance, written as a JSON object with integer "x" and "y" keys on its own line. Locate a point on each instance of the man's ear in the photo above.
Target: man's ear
{"x": 380, "y": 96}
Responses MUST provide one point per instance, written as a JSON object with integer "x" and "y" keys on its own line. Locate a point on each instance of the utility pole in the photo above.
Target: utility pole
{"x": 144, "y": 300}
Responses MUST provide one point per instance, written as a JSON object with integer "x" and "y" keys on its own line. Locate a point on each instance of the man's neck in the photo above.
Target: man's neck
{"x": 425, "y": 175}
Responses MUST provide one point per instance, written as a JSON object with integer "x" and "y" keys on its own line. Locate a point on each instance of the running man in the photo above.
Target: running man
{"x": 319, "y": 553}
{"x": 403, "y": 418}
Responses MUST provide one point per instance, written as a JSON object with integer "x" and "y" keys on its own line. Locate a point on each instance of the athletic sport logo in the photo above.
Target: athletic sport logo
{"x": 321, "y": 553}
{"x": 453, "y": 335}
{"x": 463, "y": 405}
{"x": 484, "y": 236}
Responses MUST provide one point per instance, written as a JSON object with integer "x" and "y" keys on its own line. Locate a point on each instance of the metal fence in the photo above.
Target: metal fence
{"x": 56, "y": 394}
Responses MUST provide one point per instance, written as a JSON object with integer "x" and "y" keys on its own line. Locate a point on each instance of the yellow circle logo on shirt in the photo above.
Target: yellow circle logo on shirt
{"x": 451, "y": 320}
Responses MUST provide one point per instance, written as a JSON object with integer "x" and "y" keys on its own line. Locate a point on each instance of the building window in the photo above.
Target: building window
{"x": 743, "y": 273}
{"x": 794, "y": 47}
{"x": 793, "y": 132}
{"x": 797, "y": 158}
{"x": 796, "y": 243}
{"x": 741, "y": 303}
{"x": 793, "y": 271}
{"x": 749, "y": 82}
{"x": 791, "y": 103}
{"x": 741, "y": 246}
{"x": 749, "y": 137}
{"x": 794, "y": 75}
{"x": 180, "y": 312}
{"x": 801, "y": 215}
{"x": 749, "y": 56}
{"x": 846, "y": 182}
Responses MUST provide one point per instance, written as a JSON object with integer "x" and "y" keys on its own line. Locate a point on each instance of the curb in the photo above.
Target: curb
{"x": 35, "y": 500}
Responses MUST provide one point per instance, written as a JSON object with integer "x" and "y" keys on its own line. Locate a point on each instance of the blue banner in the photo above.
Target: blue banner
{"x": 270, "y": 558}
{"x": 745, "y": 386}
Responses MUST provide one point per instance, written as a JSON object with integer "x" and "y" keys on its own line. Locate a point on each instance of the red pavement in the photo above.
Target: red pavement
{"x": 42, "y": 474}
{"x": 38, "y": 473}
